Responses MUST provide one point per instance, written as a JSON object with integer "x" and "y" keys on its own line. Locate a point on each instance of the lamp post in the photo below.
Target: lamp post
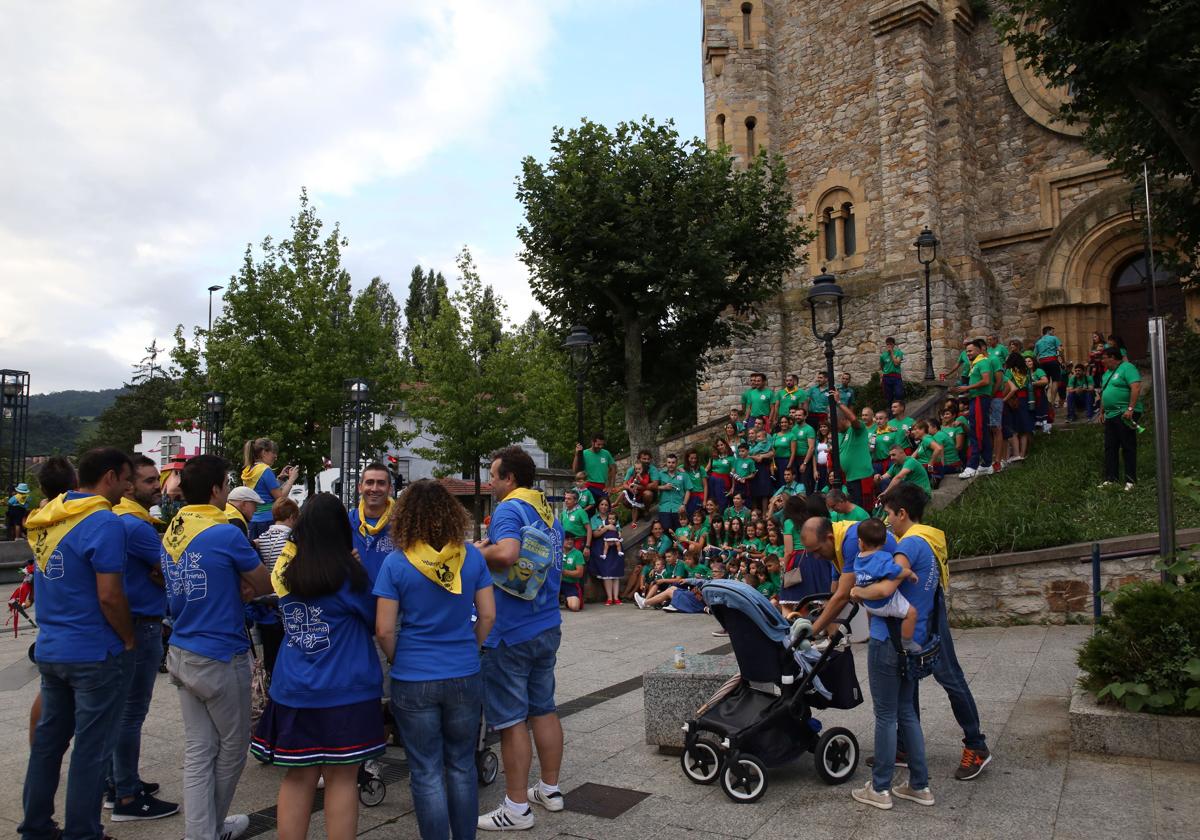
{"x": 214, "y": 423}
{"x": 927, "y": 245}
{"x": 579, "y": 345}
{"x": 356, "y": 417}
{"x": 14, "y": 424}
{"x": 825, "y": 300}
{"x": 211, "y": 289}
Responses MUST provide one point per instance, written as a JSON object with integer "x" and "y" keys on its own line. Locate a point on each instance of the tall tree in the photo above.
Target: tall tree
{"x": 1133, "y": 70}
{"x": 291, "y": 332}
{"x": 469, "y": 398}
{"x": 662, "y": 248}
{"x": 426, "y": 290}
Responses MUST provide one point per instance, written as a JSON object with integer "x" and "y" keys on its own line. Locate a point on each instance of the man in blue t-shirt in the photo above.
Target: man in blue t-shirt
{"x": 370, "y": 520}
{"x": 210, "y": 570}
{"x": 128, "y": 796}
{"x": 84, "y": 645}
{"x": 520, "y": 653}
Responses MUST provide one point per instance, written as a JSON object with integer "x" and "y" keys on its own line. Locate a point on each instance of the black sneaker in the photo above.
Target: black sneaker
{"x": 110, "y": 793}
{"x": 972, "y": 764}
{"x": 143, "y": 807}
{"x": 901, "y": 760}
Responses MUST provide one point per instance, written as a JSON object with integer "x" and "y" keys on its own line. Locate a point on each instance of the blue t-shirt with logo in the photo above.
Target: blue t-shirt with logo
{"x": 850, "y": 548}
{"x": 266, "y": 483}
{"x": 919, "y": 592}
{"x": 143, "y": 553}
{"x": 435, "y": 634}
{"x": 372, "y": 549}
{"x": 327, "y": 657}
{"x": 71, "y": 627}
{"x": 204, "y": 593}
{"x": 518, "y": 620}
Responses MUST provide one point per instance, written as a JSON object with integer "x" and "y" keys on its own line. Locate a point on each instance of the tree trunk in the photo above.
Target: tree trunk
{"x": 478, "y": 501}
{"x": 637, "y": 419}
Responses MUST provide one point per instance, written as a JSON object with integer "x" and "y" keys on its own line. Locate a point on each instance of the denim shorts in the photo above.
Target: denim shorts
{"x": 518, "y": 680}
{"x": 996, "y": 413}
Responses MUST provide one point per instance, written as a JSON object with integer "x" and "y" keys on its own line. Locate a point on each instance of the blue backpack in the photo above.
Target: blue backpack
{"x": 541, "y": 551}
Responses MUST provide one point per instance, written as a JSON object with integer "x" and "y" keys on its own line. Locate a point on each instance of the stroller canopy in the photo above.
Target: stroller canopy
{"x": 735, "y": 595}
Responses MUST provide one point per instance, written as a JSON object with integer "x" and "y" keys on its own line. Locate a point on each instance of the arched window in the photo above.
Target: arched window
{"x": 829, "y": 233}
{"x": 747, "y": 10}
{"x": 751, "y": 146}
{"x": 849, "y": 234}
{"x": 720, "y": 128}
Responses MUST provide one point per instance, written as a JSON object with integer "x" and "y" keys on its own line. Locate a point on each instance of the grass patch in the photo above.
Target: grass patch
{"x": 1052, "y": 499}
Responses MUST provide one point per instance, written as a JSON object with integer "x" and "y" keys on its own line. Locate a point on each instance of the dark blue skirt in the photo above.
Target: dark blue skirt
{"x": 763, "y": 484}
{"x": 289, "y": 737}
{"x": 817, "y": 574}
{"x": 606, "y": 564}
{"x": 718, "y": 489}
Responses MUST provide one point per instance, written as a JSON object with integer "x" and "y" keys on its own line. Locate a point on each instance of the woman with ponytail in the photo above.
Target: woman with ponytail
{"x": 258, "y": 457}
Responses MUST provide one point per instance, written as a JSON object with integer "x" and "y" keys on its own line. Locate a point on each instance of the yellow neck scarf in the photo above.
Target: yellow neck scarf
{"x": 188, "y": 524}
{"x": 251, "y": 475}
{"x": 128, "y": 507}
{"x": 443, "y": 567}
{"x": 536, "y": 499}
{"x": 232, "y": 513}
{"x": 937, "y": 542}
{"x": 47, "y": 526}
{"x": 371, "y": 530}
{"x": 839, "y": 536}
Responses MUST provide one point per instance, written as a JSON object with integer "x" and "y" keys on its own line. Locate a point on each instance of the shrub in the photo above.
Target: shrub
{"x": 1183, "y": 364}
{"x": 872, "y": 393}
{"x": 1145, "y": 654}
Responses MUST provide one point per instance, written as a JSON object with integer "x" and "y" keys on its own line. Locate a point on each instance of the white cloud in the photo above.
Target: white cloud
{"x": 145, "y": 142}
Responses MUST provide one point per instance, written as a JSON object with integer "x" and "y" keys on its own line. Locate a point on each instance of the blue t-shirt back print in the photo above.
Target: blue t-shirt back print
{"x": 517, "y": 620}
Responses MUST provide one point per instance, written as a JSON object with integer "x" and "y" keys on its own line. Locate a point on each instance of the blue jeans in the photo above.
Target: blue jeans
{"x": 950, "y": 677}
{"x": 80, "y": 700}
{"x": 1079, "y": 404}
{"x": 893, "y": 389}
{"x": 128, "y": 747}
{"x": 893, "y": 696}
{"x": 439, "y": 722}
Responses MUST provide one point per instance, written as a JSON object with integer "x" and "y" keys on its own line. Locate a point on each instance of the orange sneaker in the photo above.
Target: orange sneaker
{"x": 972, "y": 764}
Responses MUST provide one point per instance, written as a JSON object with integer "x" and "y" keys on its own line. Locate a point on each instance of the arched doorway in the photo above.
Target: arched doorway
{"x": 1130, "y": 301}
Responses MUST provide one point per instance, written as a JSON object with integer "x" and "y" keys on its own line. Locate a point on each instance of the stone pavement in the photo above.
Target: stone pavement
{"x": 1022, "y": 677}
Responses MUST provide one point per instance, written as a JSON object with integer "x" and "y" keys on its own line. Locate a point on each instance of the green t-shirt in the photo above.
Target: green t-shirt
{"x": 817, "y": 398}
{"x": 575, "y": 521}
{"x": 884, "y": 441}
{"x": 757, "y": 401}
{"x": 1074, "y": 381}
{"x": 762, "y": 447}
{"x": 846, "y": 395}
{"x": 721, "y": 466}
{"x": 856, "y": 514}
{"x": 695, "y": 480}
{"x": 669, "y": 499}
{"x": 1115, "y": 390}
{"x": 980, "y": 366}
{"x": 586, "y": 499}
{"x": 744, "y": 467}
{"x": 804, "y": 434}
{"x": 573, "y": 560}
{"x": 597, "y": 525}
{"x": 732, "y": 513}
{"x": 854, "y": 451}
{"x": 924, "y": 450}
{"x": 782, "y": 443}
{"x": 653, "y": 471}
{"x": 964, "y": 363}
{"x": 682, "y": 570}
{"x": 768, "y": 588}
{"x": 887, "y": 366}
{"x": 787, "y": 401}
{"x": 904, "y": 423}
{"x": 596, "y": 465}
{"x": 998, "y": 355}
{"x": 754, "y": 546}
{"x": 796, "y": 488}
{"x": 1047, "y": 347}
{"x": 917, "y": 474}
{"x": 660, "y": 547}
{"x": 946, "y": 436}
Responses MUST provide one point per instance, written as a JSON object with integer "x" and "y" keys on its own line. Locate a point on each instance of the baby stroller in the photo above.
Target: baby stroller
{"x": 763, "y": 717}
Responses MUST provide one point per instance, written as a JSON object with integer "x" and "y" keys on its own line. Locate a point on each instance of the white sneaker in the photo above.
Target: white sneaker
{"x": 234, "y": 827}
{"x": 551, "y": 802}
{"x": 867, "y": 795}
{"x": 1048, "y": 426}
{"x": 967, "y": 473}
{"x": 505, "y": 819}
{"x": 1104, "y": 484}
{"x": 922, "y": 796}
{"x": 1128, "y": 486}
{"x": 640, "y": 600}
{"x": 984, "y": 471}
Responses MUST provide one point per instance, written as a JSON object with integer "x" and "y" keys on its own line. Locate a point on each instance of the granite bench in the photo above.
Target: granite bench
{"x": 672, "y": 695}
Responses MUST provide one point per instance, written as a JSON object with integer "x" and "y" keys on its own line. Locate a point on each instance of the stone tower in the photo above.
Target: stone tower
{"x": 894, "y": 114}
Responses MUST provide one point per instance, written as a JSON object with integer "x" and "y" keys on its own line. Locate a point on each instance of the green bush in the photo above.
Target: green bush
{"x": 1145, "y": 654}
{"x": 872, "y": 393}
{"x": 1183, "y": 364}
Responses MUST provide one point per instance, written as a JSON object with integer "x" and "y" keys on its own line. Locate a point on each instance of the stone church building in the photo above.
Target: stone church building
{"x": 894, "y": 114}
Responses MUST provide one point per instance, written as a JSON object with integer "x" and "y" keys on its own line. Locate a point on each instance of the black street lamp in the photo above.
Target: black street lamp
{"x": 825, "y": 299}
{"x": 211, "y": 289}
{"x": 214, "y": 423}
{"x": 356, "y": 418}
{"x": 579, "y": 345}
{"x": 927, "y": 245}
{"x": 14, "y": 424}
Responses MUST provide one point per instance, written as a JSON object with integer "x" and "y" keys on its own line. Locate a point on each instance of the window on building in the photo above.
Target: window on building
{"x": 829, "y": 233}
{"x": 849, "y": 234}
{"x": 751, "y": 146}
{"x": 747, "y": 10}
{"x": 720, "y": 128}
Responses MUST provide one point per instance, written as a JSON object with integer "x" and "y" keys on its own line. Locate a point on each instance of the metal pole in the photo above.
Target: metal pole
{"x": 928, "y": 330}
{"x": 1162, "y": 441}
{"x": 1095, "y": 585}
{"x": 579, "y": 406}
{"x": 1153, "y": 299}
{"x": 209, "y": 330}
{"x": 835, "y": 463}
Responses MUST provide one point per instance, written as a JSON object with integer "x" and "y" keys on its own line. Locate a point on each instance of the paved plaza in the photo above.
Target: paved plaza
{"x": 1022, "y": 676}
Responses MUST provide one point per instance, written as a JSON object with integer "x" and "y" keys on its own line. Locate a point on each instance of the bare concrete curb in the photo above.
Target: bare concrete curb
{"x": 1114, "y": 731}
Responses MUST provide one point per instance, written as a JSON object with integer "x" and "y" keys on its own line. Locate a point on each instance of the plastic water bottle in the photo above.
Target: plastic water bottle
{"x": 679, "y": 663}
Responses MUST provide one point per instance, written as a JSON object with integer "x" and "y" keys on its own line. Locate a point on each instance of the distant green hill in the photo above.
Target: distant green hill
{"x": 84, "y": 404}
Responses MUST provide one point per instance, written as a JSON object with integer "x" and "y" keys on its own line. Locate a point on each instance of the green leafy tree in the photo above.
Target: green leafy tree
{"x": 662, "y": 248}
{"x": 1133, "y": 70}
{"x": 549, "y": 389}
{"x": 426, "y": 290}
{"x": 291, "y": 332}
{"x": 469, "y": 398}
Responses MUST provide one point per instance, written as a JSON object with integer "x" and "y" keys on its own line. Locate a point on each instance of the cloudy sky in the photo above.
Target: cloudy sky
{"x": 145, "y": 143}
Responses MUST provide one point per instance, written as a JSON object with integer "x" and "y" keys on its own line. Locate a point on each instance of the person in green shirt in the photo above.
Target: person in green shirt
{"x": 816, "y": 401}
{"x": 905, "y": 468}
{"x": 744, "y": 471}
{"x": 962, "y": 366}
{"x": 900, "y": 421}
{"x": 587, "y": 501}
{"x": 927, "y": 451}
{"x": 1079, "y": 394}
{"x": 694, "y": 469}
{"x": 854, "y": 452}
{"x": 674, "y": 490}
{"x": 881, "y": 438}
{"x": 784, "y": 442}
{"x": 978, "y": 390}
{"x": 842, "y": 509}
{"x": 790, "y": 486}
{"x": 1121, "y": 402}
{"x": 757, "y": 399}
{"x": 599, "y": 465}
{"x": 720, "y": 474}
{"x": 762, "y": 454}
{"x": 952, "y": 438}
{"x": 786, "y": 398}
{"x": 576, "y": 523}
{"x": 845, "y": 389}
{"x": 997, "y": 353}
{"x": 806, "y": 449}
{"x": 738, "y": 510}
{"x": 891, "y": 376}
{"x": 573, "y": 570}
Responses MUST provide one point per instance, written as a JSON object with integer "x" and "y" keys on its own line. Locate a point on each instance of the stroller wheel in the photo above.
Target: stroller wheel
{"x": 701, "y": 763}
{"x": 32, "y": 651}
{"x": 487, "y": 766}
{"x": 836, "y": 755}
{"x": 371, "y": 792}
{"x": 745, "y": 780}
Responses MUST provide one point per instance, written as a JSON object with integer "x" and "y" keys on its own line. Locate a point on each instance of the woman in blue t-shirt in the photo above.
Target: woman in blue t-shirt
{"x": 436, "y": 584}
{"x": 323, "y": 718}
{"x": 258, "y": 457}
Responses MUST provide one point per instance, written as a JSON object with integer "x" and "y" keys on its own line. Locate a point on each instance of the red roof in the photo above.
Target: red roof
{"x": 458, "y": 487}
